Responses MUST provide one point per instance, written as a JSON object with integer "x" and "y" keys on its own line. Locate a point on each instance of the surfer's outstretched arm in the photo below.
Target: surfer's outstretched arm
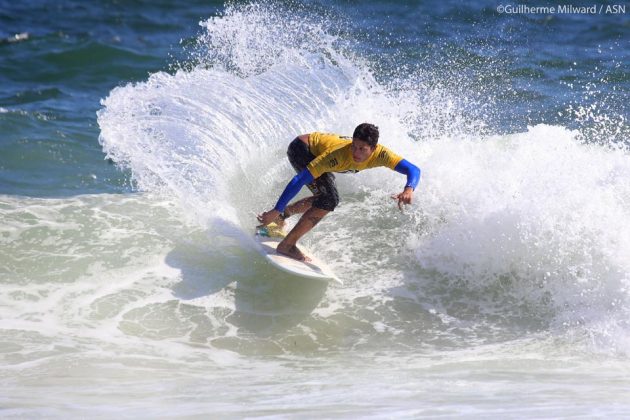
{"x": 413, "y": 177}
{"x": 293, "y": 187}
{"x": 412, "y": 172}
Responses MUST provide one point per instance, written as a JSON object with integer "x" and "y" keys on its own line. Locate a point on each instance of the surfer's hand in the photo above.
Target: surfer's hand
{"x": 268, "y": 217}
{"x": 404, "y": 197}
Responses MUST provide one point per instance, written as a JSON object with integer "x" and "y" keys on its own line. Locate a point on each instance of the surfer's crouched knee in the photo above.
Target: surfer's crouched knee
{"x": 327, "y": 196}
{"x": 326, "y": 201}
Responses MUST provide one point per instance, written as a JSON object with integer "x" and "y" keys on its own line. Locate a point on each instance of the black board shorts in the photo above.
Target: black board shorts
{"x": 324, "y": 188}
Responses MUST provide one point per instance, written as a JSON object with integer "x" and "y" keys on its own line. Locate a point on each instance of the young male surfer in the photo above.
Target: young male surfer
{"x": 315, "y": 157}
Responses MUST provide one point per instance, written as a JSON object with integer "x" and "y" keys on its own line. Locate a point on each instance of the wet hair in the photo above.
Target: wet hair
{"x": 366, "y": 132}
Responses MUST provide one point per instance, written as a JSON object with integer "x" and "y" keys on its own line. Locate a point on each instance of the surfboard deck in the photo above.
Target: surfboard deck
{"x": 314, "y": 269}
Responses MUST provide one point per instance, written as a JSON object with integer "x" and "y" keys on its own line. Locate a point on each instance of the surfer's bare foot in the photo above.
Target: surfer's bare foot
{"x": 292, "y": 251}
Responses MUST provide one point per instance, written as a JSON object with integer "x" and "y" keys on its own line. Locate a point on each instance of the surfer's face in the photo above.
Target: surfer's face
{"x": 361, "y": 150}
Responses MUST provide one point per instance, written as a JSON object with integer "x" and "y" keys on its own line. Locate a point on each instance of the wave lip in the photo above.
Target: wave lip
{"x": 180, "y": 133}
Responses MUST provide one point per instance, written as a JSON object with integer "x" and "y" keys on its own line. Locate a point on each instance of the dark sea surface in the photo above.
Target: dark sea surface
{"x": 139, "y": 139}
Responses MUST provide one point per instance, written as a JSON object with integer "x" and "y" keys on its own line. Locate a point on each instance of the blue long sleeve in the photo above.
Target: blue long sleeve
{"x": 293, "y": 187}
{"x": 412, "y": 172}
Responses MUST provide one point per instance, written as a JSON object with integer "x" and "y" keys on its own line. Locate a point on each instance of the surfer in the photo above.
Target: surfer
{"x": 315, "y": 157}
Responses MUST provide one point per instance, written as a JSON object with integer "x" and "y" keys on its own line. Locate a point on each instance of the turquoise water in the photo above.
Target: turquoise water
{"x": 139, "y": 140}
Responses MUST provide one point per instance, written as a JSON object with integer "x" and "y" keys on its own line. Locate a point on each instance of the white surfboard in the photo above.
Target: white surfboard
{"x": 314, "y": 269}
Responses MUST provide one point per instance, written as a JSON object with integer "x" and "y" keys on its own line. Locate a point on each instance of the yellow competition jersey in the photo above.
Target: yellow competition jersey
{"x": 320, "y": 143}
{"x": 333, "y": 154}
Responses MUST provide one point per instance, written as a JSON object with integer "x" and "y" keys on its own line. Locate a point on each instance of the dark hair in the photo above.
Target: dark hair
{"x": 366, "y": 132}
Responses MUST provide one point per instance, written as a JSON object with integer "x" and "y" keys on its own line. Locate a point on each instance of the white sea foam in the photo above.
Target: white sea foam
{"x": 537, "y": 215}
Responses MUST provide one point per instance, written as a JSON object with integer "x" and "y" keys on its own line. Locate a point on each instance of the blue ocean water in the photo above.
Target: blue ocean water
{"x": 139, "y": 139}
{"x": 74, "y": 54}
